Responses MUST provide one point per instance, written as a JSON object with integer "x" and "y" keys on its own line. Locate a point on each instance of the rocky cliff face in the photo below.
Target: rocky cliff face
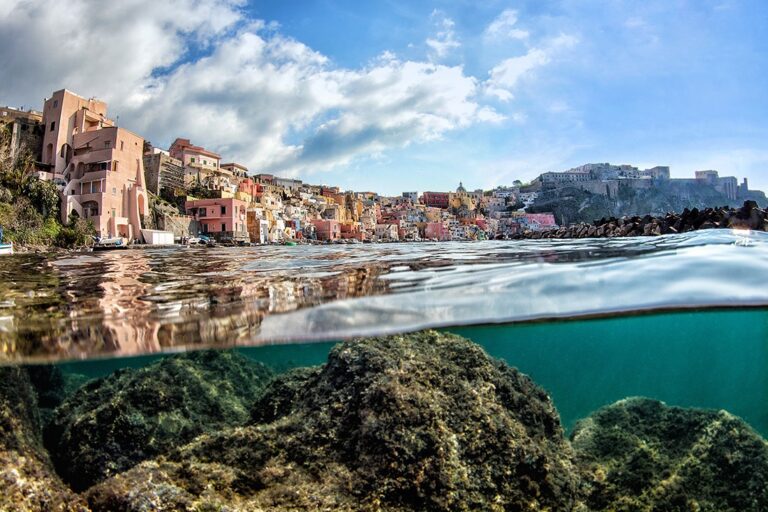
{"x": 572, "y": 205}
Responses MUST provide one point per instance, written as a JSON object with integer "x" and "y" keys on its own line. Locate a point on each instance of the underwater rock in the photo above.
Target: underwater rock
{"x": 111, "y": 424}
{"x": 424, "y": 421}
{"x": 27, "y": 479}
{"x": 646, "y": 456}
{"x": 52, "y": 386}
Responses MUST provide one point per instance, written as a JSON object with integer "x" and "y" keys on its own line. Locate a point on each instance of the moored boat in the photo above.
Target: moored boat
{"x": 107, "y": 244}
{"x": 6, "y": 249}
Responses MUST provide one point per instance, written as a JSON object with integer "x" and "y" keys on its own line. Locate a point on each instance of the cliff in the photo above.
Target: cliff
{"x": 573, "y": 204}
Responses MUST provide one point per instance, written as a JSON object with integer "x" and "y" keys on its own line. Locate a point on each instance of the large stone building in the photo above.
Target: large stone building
{"x": 163, "y": 172}
{"x": 98, "y": 165}
{"x": 728, "y": 186}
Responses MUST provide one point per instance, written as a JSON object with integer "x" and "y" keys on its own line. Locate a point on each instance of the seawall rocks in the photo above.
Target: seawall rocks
{"x": 749, "y": 216}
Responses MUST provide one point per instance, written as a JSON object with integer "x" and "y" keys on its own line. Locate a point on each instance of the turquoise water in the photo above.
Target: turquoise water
{"x": 715, "y": 359}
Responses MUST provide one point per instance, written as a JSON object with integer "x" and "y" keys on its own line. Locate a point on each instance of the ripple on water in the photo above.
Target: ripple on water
{"x": 136, "y": 301}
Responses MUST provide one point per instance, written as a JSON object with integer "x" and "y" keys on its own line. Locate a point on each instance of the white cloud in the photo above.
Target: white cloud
{"x": 92, "y": 47}
{"x": 504, "y": 77}
{"x": 203, "y": 69}
{"x": 503, "y": 27}
{"x": 445, "y": 39}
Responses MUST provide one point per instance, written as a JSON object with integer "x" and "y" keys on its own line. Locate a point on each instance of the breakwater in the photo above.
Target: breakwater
{"x": 749, "y": 216}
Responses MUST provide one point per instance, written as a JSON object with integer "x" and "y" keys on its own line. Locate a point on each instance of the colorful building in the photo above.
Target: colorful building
{"x": 436, "y": 199}
{"x": 223, "y": 218}
{"x": 99, "y": 166}
{"x": 327, "y": 229}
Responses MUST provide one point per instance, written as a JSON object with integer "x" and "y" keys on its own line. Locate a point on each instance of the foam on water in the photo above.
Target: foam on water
{"x": 143, "y": 301}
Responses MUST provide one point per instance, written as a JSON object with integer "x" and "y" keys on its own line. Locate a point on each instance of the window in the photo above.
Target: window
{"x": 103, "y": 166}
{"x": 223, "y": 227}
{"x": 53, "y": 125}
{"x": 107, "y": 143}
{"x": 55, "y": 103}
{"x": 192, "y": 160}
{"x": 122, "y": 145}
{"x": 205, "y": 228}
{"x": 223, "y": 210}
{"x": 114, "y": 191}
{"x": 114, "y": 213}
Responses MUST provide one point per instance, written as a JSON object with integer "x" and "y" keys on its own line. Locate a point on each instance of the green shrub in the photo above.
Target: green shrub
{"x": 76, "y": 234}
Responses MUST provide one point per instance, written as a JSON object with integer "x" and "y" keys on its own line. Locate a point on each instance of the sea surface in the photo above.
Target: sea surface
{"x": 680, "y": 318}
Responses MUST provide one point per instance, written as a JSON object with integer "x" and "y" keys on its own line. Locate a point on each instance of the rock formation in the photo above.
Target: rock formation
{"x": 424, "y": 421}
{"x": 28, "y": 482}
{"x": 645, "y": 456}
{"x": 111, "y": 424}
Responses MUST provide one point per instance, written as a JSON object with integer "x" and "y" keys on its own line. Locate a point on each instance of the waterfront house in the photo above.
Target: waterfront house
{"x": 98, "y": 165}
{"x": 219, "y": 218}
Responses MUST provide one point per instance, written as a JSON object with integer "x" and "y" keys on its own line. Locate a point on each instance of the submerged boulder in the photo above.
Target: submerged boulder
{"x": 424, "y": 421}
{"x": 52, "y": 386}
{"x": 111, "y": 424}
{"x": 27, "y": 479}
{"x": 646, "y": 456}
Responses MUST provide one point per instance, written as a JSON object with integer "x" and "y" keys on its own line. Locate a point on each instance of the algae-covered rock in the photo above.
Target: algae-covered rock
{"x": 111, "y": 424}
{"x": 417, "y": 422}
{"x": 27, "y": 479}
{"x": 52, "y": 386}
{"x": 646, "y": 456}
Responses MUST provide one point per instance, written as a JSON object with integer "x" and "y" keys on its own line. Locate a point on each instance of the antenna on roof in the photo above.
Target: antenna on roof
{"x": 117, "y": 120}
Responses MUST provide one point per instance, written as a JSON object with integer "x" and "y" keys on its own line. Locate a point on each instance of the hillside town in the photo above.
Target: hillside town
{"x": 134, "y": 191}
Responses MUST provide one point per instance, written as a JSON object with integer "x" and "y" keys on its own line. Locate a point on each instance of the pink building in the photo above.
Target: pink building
{"x": 219, "y": 218}
{"x": 327, "y": 229}
{"x": 437, "y": 231}
{"x": 351, "y": 230}
{"x": 198, "y": 162}
{"x": 99, "y": 165}
{"x": 539, "y": 221}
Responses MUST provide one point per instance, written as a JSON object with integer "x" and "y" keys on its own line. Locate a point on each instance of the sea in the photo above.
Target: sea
{"x": 678, "y": 318}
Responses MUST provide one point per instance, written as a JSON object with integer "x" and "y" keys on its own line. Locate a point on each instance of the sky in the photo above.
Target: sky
{"x": 397, "y": 95}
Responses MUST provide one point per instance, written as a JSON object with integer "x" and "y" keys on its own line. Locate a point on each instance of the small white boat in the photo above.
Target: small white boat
{"x": 6, "y": 249}
{"x": 106, "y": 244}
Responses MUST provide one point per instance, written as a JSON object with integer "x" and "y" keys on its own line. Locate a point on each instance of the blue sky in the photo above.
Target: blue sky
{"x": 397, "y": 95}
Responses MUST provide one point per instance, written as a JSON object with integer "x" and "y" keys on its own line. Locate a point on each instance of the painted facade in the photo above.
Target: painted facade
{"x": 99, "y": 166}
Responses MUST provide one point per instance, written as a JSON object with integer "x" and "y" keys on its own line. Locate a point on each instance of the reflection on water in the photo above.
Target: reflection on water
{"x": 143, "y": 301}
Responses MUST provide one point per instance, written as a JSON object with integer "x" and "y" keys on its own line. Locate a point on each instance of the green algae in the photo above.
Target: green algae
{"x": 113, "y": 423}
{"x": 415, "y": 422}
{"x": 27, "y": 478}
{"x": 643, "y": 455}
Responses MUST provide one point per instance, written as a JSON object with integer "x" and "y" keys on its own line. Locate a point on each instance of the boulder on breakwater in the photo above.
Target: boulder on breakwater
{"x": 423, "y": 421}
{"x": 28, "y": 482}
{"x": 111, "y": 424}
{"x": 644, "y": 455}
{"x": 749, "y": 216}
